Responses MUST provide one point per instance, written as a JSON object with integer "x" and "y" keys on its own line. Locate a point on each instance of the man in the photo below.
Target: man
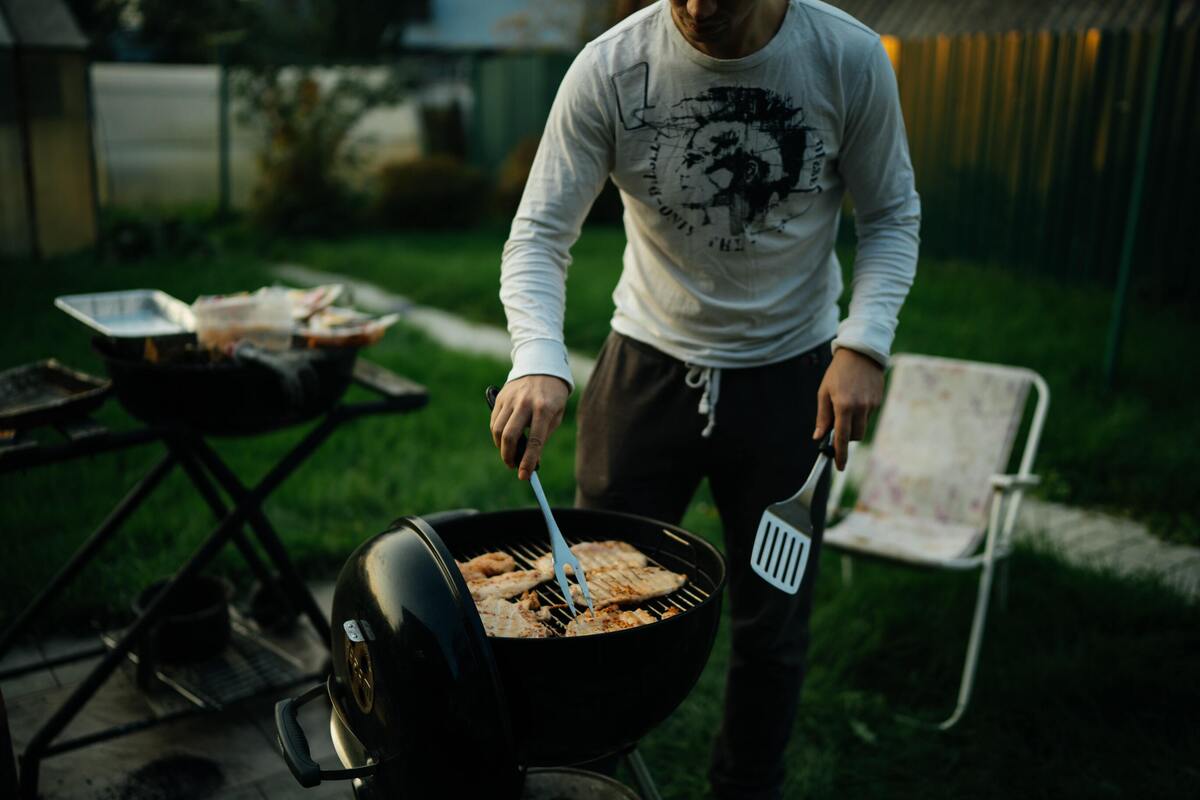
{"x": 732, "y": 129}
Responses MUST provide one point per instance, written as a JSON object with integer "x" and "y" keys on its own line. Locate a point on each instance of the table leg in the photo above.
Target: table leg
{"x": 38, "y": 745}
{"x": 213, "y": 499}
{"x": 87, "y": 551}
{"x": 290, "y": 578}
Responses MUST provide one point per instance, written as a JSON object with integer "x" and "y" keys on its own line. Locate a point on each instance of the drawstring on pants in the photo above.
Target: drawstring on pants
{"x": 710, "y": 379}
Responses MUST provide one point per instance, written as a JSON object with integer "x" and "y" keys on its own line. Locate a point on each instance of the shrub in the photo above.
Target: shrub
{"x": 430, "y": 192}
{"x": 514, "y": 172}
{"x": 306, "y": 124}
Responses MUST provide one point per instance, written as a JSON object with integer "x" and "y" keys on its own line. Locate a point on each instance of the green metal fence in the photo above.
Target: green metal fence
{"x": 1024, "y": 146}
{"x": 513, "y": 94}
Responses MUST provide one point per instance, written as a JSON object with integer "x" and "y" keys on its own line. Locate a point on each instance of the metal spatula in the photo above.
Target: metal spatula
{"x": 784, "y": 539}
{"x": 563, "y": 557}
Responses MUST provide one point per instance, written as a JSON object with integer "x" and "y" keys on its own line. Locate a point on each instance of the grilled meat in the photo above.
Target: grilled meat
{"x": 510, "y": 620}
{"x": 487, "y": 565}
{"x": 608, "y": 620}
{"x": 532, "y": 602}
{"x": 506, "y": 584}
{"x": 627, "y": 585}
{"x": 593, "y": 555}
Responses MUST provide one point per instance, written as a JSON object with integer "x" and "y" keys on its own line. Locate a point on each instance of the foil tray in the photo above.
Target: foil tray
{"x": 134, "y": 314}
{"x": 45, "y": 393}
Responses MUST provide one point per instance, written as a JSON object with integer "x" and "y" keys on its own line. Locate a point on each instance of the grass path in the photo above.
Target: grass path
{"x": 1126, "y": 451}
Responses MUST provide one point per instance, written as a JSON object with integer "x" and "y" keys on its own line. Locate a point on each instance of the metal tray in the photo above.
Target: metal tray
{"x": 46, "y": 392}
{"x": 137, "y": 313}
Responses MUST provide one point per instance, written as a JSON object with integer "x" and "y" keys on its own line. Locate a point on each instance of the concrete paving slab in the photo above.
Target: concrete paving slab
{"x": 1103, "y": 539}
{"x": 1038, "y": 516}
{"x": 74, "y": 672}
{"x": 228, "y": 755}
{"x": 314, "y": 721}
{"x": 1134, "y": 558}
{"x": 128, "y": 768}
{"x": 185, "y": 760}
{"x": 117, "y": 702}
{"x": 1182, "y": 559}
{"x": 251, "y": 792}
{"x": 31, "y": 682}
{"x": 284, "y": 787}
{"x": 1186, "y": 581}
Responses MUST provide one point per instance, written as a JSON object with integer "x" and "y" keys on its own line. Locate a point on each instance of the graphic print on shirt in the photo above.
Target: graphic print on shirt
{"x": 726, "y": 162}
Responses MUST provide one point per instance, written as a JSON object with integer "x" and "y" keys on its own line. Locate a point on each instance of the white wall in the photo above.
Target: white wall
{"x": 471, "y": 24}
{"x": 156, "y": 137}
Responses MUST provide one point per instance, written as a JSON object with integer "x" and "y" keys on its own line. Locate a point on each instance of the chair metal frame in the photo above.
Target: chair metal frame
{"x": 1007, "y": 493}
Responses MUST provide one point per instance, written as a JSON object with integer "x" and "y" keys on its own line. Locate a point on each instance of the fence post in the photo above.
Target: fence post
{"x": 223, "y": 203}
{"x": 1116, "y": 326}
{"x": 224, "y": 42}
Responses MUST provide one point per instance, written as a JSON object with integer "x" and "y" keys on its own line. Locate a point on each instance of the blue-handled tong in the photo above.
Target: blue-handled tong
{"x": 563, "y": 557}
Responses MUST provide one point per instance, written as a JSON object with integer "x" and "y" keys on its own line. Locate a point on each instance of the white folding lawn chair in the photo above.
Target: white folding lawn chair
{"x": 932, "y": 492}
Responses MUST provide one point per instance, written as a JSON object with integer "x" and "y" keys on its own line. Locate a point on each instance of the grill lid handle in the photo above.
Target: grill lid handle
{"x": 294, "y": 744}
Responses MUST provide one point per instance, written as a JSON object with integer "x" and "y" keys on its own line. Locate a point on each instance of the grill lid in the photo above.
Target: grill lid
{"x": 413, "y": 670}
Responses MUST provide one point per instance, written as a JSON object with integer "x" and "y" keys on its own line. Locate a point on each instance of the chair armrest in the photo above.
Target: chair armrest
{"x": 1007, "y": 483}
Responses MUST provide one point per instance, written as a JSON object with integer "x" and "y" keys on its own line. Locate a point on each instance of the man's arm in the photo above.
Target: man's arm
{"x": 875, "y": 164}
{"x": 573, "y": 160}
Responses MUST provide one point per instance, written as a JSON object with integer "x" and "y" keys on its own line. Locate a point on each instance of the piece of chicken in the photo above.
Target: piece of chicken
{"x": 506, "y": 584}
{"x": 532, "y": 602}
{"x": 510, "y": 620}
{"x": 627, "y": 585}
{"x": 487, "y": 565}
{"x": 608, "y": 620}
{"x": 593, "y": 555}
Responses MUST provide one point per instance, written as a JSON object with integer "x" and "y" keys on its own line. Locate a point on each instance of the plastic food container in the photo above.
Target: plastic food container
{"x": 263, "y": 318}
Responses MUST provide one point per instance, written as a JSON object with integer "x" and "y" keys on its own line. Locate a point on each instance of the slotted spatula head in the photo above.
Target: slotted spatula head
{"x": 784, "y": 539}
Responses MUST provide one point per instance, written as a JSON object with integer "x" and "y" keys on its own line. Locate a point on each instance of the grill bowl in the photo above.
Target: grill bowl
{"x": 621, "y": 684}
{"x": 224, "y": 398}
{"x": 418, "y": 684}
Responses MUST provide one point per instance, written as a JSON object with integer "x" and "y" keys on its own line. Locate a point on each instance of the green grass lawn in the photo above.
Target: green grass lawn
{"x": 1130, "y": 450}
{"x": 1088, "y": 683}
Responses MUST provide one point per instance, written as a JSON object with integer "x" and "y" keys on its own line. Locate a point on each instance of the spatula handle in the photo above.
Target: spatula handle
{"x": 825, "y": 454}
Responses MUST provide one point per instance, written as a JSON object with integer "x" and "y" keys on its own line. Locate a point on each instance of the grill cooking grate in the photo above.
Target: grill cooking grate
{"x": 527, "y": 551}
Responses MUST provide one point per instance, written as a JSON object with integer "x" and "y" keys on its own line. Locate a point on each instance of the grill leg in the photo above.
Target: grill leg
{"x": 213, "y": 499}
{"x": 251, "y": 501}
{"x": 87, "y": 552}
{"x": 39, "y": 746}
{"x": 641, "y": 774}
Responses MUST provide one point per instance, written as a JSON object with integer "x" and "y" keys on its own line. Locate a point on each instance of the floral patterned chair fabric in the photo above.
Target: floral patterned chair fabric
{"x": 946, "y": 427}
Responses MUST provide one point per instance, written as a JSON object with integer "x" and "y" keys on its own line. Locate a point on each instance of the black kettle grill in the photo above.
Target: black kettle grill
{"x": 256, "y": 392}
{"x": 426, "y": 705}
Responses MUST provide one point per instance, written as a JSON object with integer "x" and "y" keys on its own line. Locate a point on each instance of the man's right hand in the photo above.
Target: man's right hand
{"x": 536, "y": 402}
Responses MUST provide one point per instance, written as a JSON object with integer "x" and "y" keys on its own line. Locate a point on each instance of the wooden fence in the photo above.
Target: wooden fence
{"x": 1024, "y": 146}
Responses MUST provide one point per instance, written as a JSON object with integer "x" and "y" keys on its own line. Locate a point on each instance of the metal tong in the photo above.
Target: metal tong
{"x": 563, "y": 557}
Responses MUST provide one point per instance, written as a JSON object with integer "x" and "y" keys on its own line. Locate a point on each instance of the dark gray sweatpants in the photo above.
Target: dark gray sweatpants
{"x": 640, "y": 450}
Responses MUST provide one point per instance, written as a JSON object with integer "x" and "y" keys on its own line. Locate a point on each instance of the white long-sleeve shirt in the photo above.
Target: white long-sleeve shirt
{"x": 732, "y": 173}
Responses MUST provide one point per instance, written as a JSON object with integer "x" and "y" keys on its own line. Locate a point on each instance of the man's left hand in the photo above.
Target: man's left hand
{"x": 851, "y": 390}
